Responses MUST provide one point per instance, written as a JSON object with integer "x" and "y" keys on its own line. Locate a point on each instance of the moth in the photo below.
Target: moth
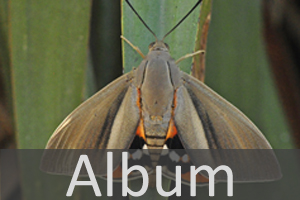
{"x": 156, "y": 106}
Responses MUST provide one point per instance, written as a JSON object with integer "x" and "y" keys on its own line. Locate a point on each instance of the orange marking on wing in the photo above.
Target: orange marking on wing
{"x": 138, "y": 101}
{"x": 172, "y": 130}
{"x": 117, "y": 173}
{"x": 175, "y": 100}
{"x": 140, "y": 129}
{"x": 199, "y": 178}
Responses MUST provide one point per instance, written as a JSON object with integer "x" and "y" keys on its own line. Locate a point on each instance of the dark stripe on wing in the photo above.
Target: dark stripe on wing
{"x": 103, "y": 138}
{"x": 208, "y": 127}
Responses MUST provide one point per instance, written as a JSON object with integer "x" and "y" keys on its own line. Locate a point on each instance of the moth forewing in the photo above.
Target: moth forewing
{"x": 188, "y": 123}
{"x": 85, "y": 126}
{"x": 227, "y": 127}
{"x": 125, "y": 122}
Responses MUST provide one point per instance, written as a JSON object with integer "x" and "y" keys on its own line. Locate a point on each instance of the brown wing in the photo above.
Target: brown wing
{"x": 205, "y": 120}
{"x": 225, "y": 127}
{"x": 107, "y": 120}
{"x": 94, "y": 122}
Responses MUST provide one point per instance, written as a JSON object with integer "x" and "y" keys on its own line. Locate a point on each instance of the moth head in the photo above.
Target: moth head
{"x": 158, "y": 46}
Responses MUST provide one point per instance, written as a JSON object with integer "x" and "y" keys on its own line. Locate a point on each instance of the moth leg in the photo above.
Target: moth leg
{"x": 134, "y": 47}
{"x": 189, "y": 55}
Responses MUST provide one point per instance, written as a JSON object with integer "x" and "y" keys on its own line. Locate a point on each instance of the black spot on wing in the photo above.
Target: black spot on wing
{"x": 174, "y": 143}
{"x": 137, "y": 143}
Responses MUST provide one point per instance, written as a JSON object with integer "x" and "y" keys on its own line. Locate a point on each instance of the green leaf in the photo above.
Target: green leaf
{"x": 198, "y": 69}
{"x": 160, "y": 16}
{"x": 5, "y": 61}
{"x": 48, "y": 55}
{"x": 48, "y": 44}
{"x": 105, "y": 41}
{"x": 237, "y": 67}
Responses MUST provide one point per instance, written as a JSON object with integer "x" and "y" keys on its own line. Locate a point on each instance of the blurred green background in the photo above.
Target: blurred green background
{"x": 238, "y": 69}
{"x": 54, "y": 54}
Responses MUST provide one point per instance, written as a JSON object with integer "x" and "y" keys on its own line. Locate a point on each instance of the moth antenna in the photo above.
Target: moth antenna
{"x": 127, "y": 1}
{"x": 170, "y": 31}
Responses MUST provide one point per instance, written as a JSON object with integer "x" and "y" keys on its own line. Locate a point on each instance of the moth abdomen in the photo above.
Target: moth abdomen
{"x": 155, "y": 134}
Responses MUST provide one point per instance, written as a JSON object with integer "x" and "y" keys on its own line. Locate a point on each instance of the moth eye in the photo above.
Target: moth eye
{"x": 167, "y": 45}
{"x": 151, "y": 45}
